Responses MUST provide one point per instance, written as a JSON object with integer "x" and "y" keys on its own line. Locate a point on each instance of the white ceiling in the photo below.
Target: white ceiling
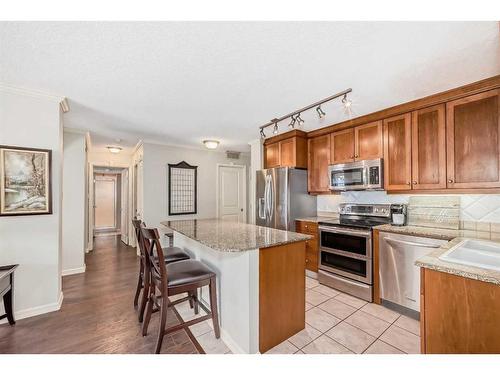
{"x": 181, "y": 82}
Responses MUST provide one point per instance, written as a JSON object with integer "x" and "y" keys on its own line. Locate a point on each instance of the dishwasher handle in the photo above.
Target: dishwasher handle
{"x": 431, "y": 246}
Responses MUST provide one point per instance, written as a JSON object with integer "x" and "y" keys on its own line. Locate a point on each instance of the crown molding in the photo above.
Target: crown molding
{"x": 11, "y": 89}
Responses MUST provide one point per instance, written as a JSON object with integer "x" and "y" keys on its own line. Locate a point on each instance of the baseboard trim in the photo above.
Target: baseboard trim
{"x": 230, "y": 343}
{"x": 73, "y": 271}
{"x": 38, "y": 310}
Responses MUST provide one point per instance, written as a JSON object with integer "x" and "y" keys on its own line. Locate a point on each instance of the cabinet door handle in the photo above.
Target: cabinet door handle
{"x": 408, "y": 183}
{"x": 450, "y": 181}
{"x": 414, "y": 182}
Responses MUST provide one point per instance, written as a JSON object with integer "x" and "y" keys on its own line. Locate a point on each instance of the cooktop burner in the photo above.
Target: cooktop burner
{"x": 360, "y": 216}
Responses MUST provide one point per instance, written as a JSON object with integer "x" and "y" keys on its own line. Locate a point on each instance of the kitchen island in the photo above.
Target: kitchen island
{"x": 260, "y": 279}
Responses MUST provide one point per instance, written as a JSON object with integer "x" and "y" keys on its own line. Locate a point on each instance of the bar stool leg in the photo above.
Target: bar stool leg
{"x": 163, "y": 321}
{"x": 139, "y": 286}
{"x": 145, "y": 295}
{"x": 213, "y": 306}
{"x": 149, "y": 311}
{"x": 195, "y": 302}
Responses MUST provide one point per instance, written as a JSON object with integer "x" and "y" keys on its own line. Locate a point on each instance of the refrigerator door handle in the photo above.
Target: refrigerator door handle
{"x": 262, "y": 208}
{"x": 268, "y": 197}
{"x": 270, "y": 201}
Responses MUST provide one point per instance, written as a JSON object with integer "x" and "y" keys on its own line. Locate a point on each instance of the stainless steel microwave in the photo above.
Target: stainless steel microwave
{"x": 358, "y": 175}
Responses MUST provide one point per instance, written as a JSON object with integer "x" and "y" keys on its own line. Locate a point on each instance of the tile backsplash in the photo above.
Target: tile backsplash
{"x": 473, "y": 207}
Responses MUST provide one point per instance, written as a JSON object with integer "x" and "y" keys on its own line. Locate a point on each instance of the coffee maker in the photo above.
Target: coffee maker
{"x": 398, "y": 214}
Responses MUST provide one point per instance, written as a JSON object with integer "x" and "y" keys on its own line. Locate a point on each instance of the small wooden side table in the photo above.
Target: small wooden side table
{"x": 7, "y": 291}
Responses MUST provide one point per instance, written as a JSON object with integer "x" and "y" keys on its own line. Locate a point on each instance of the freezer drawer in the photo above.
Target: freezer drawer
{"x": 399, "y": 276}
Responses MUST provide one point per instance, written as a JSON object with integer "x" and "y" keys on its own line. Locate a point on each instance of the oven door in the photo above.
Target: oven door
{"x": 350, "y": 242}
{"x": 347, "y": 178}
{"x": 353, "y": 267}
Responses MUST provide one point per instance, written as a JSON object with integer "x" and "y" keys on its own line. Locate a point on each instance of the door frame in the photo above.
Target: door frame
{"x": 90, "y": 201}
{"x": 217, "y": 198}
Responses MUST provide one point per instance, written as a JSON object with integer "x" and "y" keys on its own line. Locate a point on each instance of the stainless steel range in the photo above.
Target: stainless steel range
{"x": 346, "y": 256}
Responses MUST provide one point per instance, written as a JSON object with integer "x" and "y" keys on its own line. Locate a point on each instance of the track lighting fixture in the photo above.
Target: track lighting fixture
{"x": 299, "y": 120}
{"x": 321, "y": 113}
{"x": 295, "y": 118}
{"x": 346, "y": 102}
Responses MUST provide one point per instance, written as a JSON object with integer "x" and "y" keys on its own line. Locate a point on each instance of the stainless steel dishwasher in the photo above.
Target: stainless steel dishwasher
{"x": 399, "y": 276}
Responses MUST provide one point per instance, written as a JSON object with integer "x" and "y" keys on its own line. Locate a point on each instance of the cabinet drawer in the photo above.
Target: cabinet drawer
{"x": 306, "y": 227}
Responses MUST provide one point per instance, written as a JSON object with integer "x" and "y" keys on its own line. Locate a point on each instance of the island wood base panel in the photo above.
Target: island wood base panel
{"x": 281, "y": 293}
{"x": 458, "y": 315}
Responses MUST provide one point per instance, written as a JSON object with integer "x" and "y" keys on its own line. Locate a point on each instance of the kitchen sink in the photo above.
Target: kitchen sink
{"x": 477, "y": 253}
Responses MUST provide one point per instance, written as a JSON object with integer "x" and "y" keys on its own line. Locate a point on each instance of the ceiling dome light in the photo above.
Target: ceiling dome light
{"x": 275, "y": 130}
{"x": 299, "y": 120}
{"x": 114, "y": 149}
{"x": 211, "y": 144}
{"x": 321, "y": 113}
{"x": 291, "y": 125}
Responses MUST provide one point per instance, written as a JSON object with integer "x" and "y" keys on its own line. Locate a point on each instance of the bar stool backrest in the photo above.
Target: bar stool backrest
{"x": 138, "y": 224}
{"x": 156, "y": 259}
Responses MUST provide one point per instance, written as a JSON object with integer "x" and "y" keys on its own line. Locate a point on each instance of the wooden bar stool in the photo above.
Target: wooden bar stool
{"x": 172, "y": 254}
{"x": 175, "y": 278}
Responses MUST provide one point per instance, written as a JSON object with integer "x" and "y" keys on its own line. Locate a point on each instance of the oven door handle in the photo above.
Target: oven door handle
{"x": 347, "y": 254}
{"x": 366, "y": 234}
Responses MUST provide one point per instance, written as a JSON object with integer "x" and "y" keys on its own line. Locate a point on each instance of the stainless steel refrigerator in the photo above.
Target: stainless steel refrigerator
{"x": 282, "y": 197}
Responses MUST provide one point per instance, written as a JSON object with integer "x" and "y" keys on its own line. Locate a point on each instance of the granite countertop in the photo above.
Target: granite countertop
{"x": 432, "y": 261}
{"x": 317, "y": 219}
{"x": 228, "y": 236}
{"x": 453, "y": 236}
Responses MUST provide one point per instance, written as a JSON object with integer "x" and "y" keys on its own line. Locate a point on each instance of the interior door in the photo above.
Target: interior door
{"x": 232, "y": 200}
{"x": 105, "y": 202}
{"x": 429, "y": 148}
{"x": 342, "y": 144}
{"x": 397, "y": 152}
{"x": 369, "y": 141}
{"x": 473, "y": 141}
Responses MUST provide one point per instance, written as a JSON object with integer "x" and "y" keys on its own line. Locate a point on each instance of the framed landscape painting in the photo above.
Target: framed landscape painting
{"x": 25, "y": 181}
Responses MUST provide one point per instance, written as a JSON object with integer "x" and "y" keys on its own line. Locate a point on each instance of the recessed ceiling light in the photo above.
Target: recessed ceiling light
{"x": 211, "y": 144}
{"x": 114, "y": 149}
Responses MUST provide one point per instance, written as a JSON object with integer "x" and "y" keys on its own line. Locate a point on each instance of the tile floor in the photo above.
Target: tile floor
{"x": 336, "y": 323}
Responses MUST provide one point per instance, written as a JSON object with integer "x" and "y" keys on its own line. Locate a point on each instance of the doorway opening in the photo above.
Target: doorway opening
{"x": 110, "y": 202}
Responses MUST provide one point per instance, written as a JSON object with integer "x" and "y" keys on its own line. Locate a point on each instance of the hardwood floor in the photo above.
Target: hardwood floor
{"x": 97, "y": 315}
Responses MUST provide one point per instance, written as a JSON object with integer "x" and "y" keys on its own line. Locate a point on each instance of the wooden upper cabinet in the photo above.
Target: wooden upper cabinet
{"x": 272, "y": 155}
{"x": 397, "y": 152}
{"x": 429, "y": 148}
{"x": 473, "y": 136}
{"x": 368, "y": 141}
{"x": 286, "y": 150}
{"x": 342, "y": 146}
{"x": 318, "y": 161}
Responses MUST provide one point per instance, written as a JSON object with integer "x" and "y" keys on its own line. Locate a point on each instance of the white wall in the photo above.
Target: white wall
{"x": 33, "y": 242}
{"x": 73, "y": 208}
{"x": 108, "y": 159}
{"x": 255, "y": 165}
{"x": 473, "y": 207}
{"x": 156, "y": 159}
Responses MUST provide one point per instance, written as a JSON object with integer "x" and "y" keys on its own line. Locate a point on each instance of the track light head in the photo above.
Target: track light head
{"x": 291, "y": 125}
{"x": 346, "y": 102}
{"x": 262, "y": 134}
{"x": 299, "y": 120}
{"x": 275, "y": 130}
{"x": 321, "y": 113}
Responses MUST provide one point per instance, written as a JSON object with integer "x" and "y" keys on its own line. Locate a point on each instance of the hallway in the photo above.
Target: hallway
{"x": 97, "y": 314}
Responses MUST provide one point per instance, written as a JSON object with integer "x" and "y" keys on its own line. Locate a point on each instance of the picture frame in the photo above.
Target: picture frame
{"x": 182, "y": 189}
{"x": 25, "y": 181}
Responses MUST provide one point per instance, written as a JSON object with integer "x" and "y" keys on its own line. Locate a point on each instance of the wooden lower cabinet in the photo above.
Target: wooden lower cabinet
{"x": 312, "y": 246}
{"x": 458, "y": 315}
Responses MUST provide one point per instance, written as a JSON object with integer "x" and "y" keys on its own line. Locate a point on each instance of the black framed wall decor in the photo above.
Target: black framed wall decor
{"x": 182, "y": 189}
